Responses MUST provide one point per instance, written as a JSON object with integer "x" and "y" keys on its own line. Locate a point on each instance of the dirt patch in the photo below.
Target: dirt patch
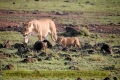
{"x": 12, "y": 20}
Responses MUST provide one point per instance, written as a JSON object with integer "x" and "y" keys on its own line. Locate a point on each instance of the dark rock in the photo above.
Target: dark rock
{"x": 48, "y": 58}
{"x": 87, "y": 46}
{"x": 68, "y": 58}
{"x": 107, "y": 78}
{"x": 70, "y": 63}
{"x": 49, "y": 45}
{"x": 43, "y": 54}
{"x": 65, "y": 49}
{"x": 36, "y": 0}
{"x": 64, "y": 55}
{"x": 76, "y": 55}
{"x": 1, "y": 46}
{"x": 73, "y": 68}
{"x": 22, "y": 49}
{"x": 9, "y": 67}
{"x": 79, "y": 78}
{"x": 73, "y": 50}
{"x": 30, "y": 59}
{"x": 59, "y": 13}
{"x": 70, "y": 31}
{"x": 13, "y": 3}
{"x": 7, "y": 44}
{"x": 18, "y": 45}
{"x": 98, "y": 45}
{"x": 38, "y": 46}
{"x": 106, "y": 49}
{"x": 90, "y": 51}
{"x": 115, "y": 78}
{"x": 39, "y": 59}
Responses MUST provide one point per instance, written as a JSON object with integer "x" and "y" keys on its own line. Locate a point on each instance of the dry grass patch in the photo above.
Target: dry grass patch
{"x": 96, "y": 58}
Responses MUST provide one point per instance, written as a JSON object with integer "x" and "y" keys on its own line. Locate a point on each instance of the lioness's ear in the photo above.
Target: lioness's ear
{"x": 29, "y": 24}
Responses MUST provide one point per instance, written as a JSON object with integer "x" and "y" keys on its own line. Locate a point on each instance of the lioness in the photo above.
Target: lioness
{"x": 68, "y": 41}
{"x": 40, "y": 28}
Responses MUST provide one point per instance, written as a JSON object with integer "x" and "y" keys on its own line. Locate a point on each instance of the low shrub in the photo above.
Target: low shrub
{"x": 84, "y": 31}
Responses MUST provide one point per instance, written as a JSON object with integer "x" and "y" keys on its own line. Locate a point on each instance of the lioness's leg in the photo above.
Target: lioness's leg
{"x": 45, "y": 36}
{"x": 25, "y": 39}
{"x": 54, "y": 36}
{"x": 40, "y": 37}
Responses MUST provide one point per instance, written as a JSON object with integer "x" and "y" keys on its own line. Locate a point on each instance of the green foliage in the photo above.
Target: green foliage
{"x": 84, "y": 31}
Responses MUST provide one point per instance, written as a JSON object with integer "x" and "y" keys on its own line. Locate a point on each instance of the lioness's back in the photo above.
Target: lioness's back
{"x": 48, "y": 23}
{"x": 45, "y": 21}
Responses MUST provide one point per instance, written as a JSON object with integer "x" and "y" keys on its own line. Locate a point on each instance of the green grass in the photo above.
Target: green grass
{"x": 85, "y": 63}
{"x": 57, "y": 5}
{"x": 95, "y": 11}
{"x": 12, "y": 36}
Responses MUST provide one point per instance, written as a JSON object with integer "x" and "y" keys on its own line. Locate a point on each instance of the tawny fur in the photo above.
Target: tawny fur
{"x": 40, "y": 28}
{"x": 68, "y": 41}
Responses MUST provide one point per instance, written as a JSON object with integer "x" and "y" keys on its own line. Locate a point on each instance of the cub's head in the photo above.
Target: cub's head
{"x": 27, "y": 28}
{"x": 59, "y": 40}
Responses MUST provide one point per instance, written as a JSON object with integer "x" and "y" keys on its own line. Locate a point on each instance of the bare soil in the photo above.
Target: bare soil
{"x": 12, "y": 20}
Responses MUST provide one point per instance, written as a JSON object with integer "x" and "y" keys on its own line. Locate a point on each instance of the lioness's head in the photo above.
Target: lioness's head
{"x": 27, "y": 28}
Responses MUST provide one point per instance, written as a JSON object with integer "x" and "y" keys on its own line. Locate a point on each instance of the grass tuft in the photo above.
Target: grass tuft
{"x": 85, "y": 32}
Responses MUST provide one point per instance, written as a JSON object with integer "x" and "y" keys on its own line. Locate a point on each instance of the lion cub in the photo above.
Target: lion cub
{"x": 68, "y": 41}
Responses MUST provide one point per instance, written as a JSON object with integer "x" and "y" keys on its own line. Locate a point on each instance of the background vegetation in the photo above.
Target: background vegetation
{"x": 62, "y": 5}
{"x": 90, "y": 12}
{"x": 94, "y": 11}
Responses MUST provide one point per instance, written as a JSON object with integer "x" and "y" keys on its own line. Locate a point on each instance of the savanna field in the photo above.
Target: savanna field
{"x": 96, "y": 22}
